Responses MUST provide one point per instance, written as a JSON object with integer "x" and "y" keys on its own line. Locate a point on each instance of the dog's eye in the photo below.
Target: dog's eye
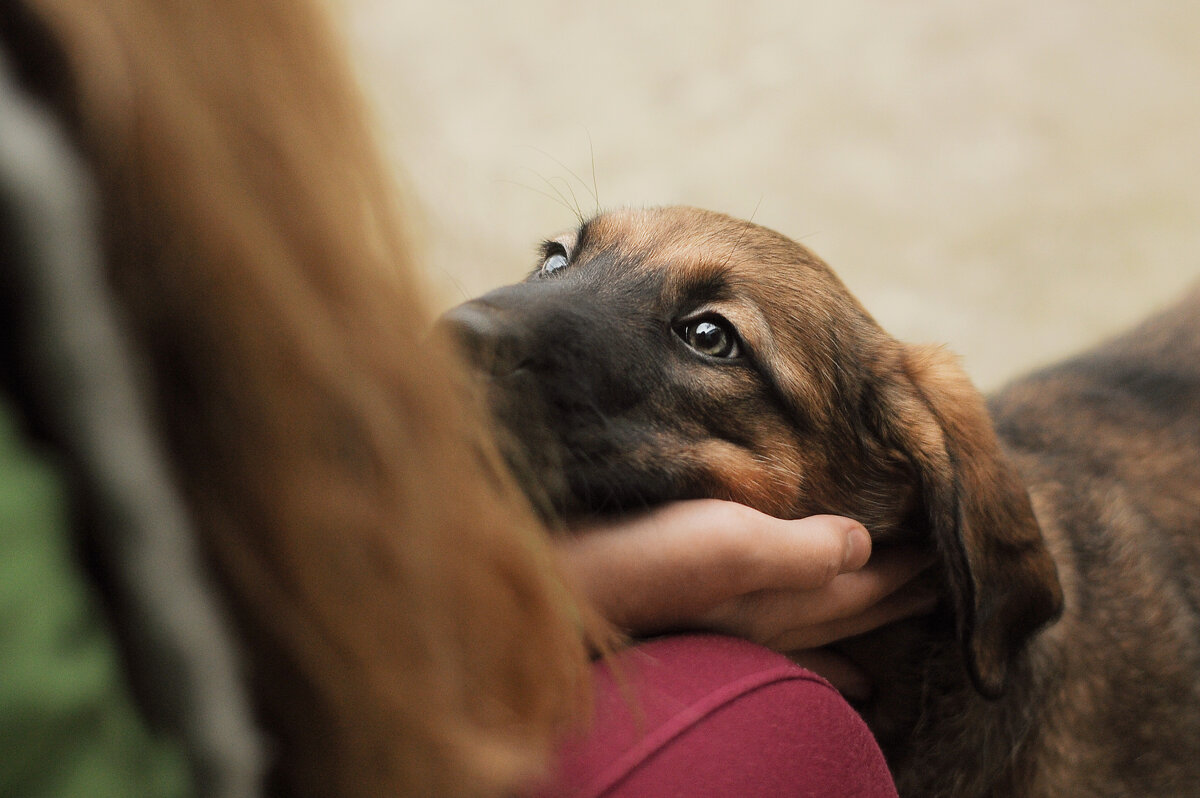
{"x": 556, "y": 259}
{"x": 710, "y": 335}
{"x": 553, "y": 263}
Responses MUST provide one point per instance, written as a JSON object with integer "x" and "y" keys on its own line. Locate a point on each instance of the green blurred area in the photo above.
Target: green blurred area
{"x": 68, "y": 724}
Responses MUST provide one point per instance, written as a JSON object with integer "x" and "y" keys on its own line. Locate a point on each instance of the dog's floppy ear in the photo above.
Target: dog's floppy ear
{"x": 1003, "y": 581}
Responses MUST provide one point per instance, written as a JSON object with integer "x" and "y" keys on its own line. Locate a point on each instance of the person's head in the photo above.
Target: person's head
{"x": 404, "y": 628}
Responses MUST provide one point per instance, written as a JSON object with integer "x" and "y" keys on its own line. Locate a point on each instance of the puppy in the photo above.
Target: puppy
{"x": 675, "y": 353}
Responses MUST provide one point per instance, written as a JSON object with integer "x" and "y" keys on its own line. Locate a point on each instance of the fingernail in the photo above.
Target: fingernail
{"x": 858, "y": 548}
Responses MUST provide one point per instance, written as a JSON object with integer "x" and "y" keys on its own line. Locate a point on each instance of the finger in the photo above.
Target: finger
{"x": 802, "y": 554}
{"x": 905, "y": 603}
{"x": 767, "y": 615}
{"x": 674, "y": 564}
{"x": 662, "y": 568}
{"x": 753, "y": 550}
{"x": 853, "y": 593}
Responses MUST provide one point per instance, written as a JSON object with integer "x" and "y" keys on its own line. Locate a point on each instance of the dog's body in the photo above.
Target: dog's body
{"x": 676, "y": 353}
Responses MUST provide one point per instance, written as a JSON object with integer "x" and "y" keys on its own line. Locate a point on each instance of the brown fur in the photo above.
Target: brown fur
{"x": 1087, "y": 503}
{"x": 255, "y": 249}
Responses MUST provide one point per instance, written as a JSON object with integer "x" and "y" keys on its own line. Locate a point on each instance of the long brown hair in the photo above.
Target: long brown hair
{"x": 404, "y": 627}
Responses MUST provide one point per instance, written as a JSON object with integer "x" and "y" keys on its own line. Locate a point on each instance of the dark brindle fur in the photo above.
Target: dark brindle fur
{"x": 1066, "y": 659}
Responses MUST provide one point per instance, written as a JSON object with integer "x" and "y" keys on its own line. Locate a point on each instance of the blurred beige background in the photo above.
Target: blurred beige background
{"x": 1016, "y": 178}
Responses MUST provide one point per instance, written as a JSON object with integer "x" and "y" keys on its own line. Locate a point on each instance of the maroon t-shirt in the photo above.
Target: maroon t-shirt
{"x": 704, "y": 715}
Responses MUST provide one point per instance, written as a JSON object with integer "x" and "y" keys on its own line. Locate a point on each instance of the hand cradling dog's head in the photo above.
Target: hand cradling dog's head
{"x": 674, "y": 353}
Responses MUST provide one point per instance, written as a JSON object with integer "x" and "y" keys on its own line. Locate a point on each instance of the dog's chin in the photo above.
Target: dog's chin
{"x": 608, "y": 493}
{"x": 576, "y": 497}
{"x": 571, "y": 487}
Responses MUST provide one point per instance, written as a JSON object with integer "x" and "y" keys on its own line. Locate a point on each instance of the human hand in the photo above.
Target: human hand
{"x": 794, "y": 586}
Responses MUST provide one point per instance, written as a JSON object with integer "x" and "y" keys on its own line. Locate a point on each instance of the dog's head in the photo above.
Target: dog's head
{"x": 677, "y": 353}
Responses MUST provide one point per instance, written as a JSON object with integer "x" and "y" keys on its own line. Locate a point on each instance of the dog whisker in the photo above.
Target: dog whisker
{"x": 558, "y": 200}
{"x": 574, "y": 199}
{"x": 572, "y": 205}
{"x": 594, "y": 193}
{"x": 595, "y": 185}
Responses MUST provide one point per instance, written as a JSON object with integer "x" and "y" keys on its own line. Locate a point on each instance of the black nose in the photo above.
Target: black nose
{"x": 485, "y": 337}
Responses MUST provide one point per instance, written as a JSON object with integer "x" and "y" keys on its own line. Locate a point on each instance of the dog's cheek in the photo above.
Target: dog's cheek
{"x": 771, "y": 483}
{"x": 741, "y": 446}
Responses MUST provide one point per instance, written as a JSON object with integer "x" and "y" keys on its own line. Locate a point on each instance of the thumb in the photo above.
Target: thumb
{"x": 805, "y": 554}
